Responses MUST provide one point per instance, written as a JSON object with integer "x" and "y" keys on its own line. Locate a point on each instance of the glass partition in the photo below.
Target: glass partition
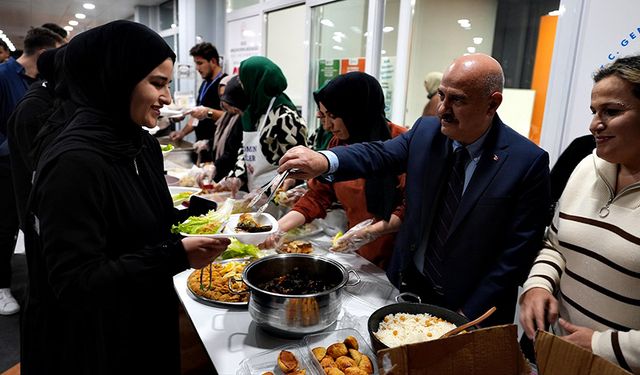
{"x": 338, "y": 44}
{"x": 239, "y": 4}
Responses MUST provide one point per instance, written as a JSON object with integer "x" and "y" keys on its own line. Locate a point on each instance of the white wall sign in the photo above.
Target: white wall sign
{"x": 243, "y": 41}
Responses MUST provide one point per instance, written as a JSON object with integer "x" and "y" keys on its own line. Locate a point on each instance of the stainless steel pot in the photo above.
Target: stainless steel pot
{"x": 296, "y": 315}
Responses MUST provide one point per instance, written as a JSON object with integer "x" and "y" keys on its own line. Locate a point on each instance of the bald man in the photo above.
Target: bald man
{"x": 473, "y": 224}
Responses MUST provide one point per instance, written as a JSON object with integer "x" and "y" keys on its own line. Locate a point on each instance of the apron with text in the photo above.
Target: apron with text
{"x": 259, "y": 170}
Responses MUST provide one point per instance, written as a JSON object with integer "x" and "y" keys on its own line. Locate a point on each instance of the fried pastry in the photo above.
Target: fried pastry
{"x": 365, "y": 364}
{"x": 354, "y": 371}
{"x": 334, "y": 371}
{"x": 345, "y": 362}
{"x": 287, "y": 361}
{"x": 327, "y": 362}
{"x": 351, "y": 342}
{"x": 356, "y": 355}
{"x": 319, "y": 353}
{"x": 336, "y": 350}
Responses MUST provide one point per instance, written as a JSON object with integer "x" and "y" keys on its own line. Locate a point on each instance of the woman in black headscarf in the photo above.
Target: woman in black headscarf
{"x": 353, "y": 108}
{"x": 104, "y": 302}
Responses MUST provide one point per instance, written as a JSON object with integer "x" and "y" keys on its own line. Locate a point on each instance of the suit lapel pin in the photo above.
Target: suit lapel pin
{"x": 495, "y": 157}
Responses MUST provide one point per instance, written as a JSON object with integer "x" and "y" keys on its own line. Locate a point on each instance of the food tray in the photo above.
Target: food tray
{"x": 244, "y": 237}
{"x": 213, "y": 302}
{"x": 268, "y": 361}
{"x": 327, "y": 338}
{"x": 173, "y": 190}
{"x": 314, "y": 249}
{"x": 304, "y": 231}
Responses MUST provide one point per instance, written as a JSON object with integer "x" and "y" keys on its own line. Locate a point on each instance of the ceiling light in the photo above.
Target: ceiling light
{"x": 387, "y": 29}
{"x": 337, "y": 38}
{"x": 555, "y": 12}
{"x": 463, "y": 21}
{"x": 88, "y": 6}
{"x": 471, "y": 49}
{"x": 73, "y": 23}
{"x": 384, "y": 52}
{"x": 477, "y": 40}
{"x": 339, "y": 48}
{"x": 80, "y": 16}
{"x": 173, "y": 25}
{"x": 68, "y": 28}
{"x": 327, "y": 22}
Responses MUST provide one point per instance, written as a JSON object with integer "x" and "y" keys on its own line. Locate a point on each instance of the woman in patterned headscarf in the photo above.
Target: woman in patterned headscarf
{"x": 271, "y": 125}
{"x": 101, "y": 299}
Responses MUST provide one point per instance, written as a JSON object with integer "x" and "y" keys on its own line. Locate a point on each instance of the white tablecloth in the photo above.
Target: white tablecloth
{"x": 229, "y": 335}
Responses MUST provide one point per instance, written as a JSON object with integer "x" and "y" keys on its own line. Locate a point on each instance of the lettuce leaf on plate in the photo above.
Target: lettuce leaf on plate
{"x": 238, "y": 249}
{"x": 211, "y": 223}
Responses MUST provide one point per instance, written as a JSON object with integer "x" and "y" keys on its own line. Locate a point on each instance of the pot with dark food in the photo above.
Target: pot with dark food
{"x": 296, "y": 294}
{"x": 409, "y": 308}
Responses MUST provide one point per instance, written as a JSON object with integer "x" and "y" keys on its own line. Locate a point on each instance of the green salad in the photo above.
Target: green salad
{"x": 166, "y": 148}
{"x": 179, "y": 198}
{"x": 238, "y": 249}
{"x": 210, "y": 223}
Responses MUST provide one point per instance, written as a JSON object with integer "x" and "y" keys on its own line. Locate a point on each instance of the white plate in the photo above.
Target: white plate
{"x": 244, "y": 237}
{"x": 166, "y": 112}
{"x": 173, "y": 190}
{"x": 307, "y": 230}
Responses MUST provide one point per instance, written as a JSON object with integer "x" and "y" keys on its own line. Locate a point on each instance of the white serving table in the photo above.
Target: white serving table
{"x": 229, "y": 335}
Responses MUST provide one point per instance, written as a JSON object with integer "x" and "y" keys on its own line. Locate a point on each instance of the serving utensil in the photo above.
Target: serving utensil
{"x": 202, "y": 284}
{"x": 462, "y": 327}
{"x": 273, "y": 192}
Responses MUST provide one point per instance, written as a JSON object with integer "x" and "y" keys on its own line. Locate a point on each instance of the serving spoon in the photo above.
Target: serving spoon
{"x": 461, "y": 328}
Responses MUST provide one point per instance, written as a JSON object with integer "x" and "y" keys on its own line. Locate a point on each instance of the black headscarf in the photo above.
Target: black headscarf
{"x": 358, "y": 100}
{"x": 101, "y": 68}
{"x": 234, "y": 94}
{"x": 46, "y": 64}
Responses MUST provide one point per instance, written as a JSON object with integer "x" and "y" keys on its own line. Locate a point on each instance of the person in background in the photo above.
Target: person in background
{"x": 58, "y": 30}
{"x": 564, "y": 166}
{"x": 476, "y": 194}
{"x": 431, "y": 84}
{"x": 271, "y": 125}
{"x": 207, "y": 109}
{"x": 227, "y": 140}
{"x": 352, "y": 106}
{"x": 26, "y": 121}
{"x": 4, "y": 51}
{"x": 101, "y": 300}
{"x": 15, "y": 78}
{"x": 587, "y": 272}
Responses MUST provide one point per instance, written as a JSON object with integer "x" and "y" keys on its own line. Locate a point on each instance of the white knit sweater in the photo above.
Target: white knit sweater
{"x": 591, "y": 261}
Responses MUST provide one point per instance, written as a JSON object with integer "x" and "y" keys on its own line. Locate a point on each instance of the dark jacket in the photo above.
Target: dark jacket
{"x": 101, "y": 298}
{"x": 497, "y": 230}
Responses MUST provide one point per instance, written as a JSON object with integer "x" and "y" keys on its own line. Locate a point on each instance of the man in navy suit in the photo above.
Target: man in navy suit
{"x": 497, "y": 227}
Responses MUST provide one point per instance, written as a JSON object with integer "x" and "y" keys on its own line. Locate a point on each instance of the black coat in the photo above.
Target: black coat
{"x": 101, "y": 299}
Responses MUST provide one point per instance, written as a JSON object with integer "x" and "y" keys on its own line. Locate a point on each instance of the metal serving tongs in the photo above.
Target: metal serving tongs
{"x": 202, "y": 284}
{"x": 274, "y": 185}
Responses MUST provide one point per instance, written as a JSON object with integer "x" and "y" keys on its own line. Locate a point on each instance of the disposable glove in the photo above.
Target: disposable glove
{"x": 355, "y": 238}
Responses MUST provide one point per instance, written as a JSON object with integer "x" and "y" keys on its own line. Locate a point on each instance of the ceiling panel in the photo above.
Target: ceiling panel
{"x": 17, "y": 16}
